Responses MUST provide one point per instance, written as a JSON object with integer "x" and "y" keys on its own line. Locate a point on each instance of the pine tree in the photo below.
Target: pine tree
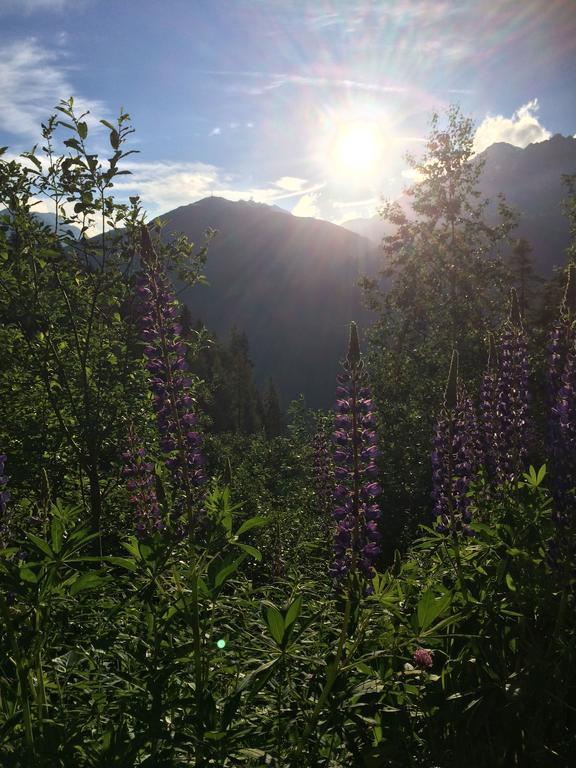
{"x": 273, "y": 422}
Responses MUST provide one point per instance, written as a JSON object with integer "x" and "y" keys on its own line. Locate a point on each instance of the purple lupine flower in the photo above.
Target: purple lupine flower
{"x": 562, "y": 386}
{"x": 4, "y": 499}
{"x": 456, "y": 458}
{"x": 139, "y": 473}
{"x": 487, "y": 412}
{"x": 170, "y": 382}
{"x": 513, "y": 433}
{"x": 564, "y": 413}
{"x": 356, "y": 511}
{"x": 562, "y": 335}
{"x": 323, "y": 472}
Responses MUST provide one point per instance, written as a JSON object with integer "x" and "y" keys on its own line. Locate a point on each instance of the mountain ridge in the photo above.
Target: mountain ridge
{"x": 531, "y": 180}
{"x": 289, "y": 282}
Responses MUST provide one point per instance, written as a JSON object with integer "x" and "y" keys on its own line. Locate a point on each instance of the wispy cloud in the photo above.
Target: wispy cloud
{"x": 521, "y": 129}
{"x": 36, "y": 6}
{"x": 33, "y": 79}
{"x": 259, "y": 83}
{"x": 163, "y": 186}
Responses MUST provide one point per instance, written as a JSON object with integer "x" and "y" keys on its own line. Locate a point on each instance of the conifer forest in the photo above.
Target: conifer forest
{"x": 196, "y": 573}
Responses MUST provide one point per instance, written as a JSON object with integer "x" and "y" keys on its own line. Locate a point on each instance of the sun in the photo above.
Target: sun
{"x": 354, "y": 150}
{"x": 357, "y": 147}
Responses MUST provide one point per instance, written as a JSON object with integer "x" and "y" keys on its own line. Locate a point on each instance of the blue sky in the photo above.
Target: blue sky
{"x": 307, "y": 105}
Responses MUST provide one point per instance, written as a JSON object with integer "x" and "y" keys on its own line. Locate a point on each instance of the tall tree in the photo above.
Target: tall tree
{"x": 524, "y": 279}
{"x": 272, "y": 412}
{"x": 442, "y": 286}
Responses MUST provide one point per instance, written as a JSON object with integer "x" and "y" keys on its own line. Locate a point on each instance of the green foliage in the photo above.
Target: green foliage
{"x": 231, "y": 647}
{"x": 169, "y": 653}
{"x": 72, "y": 365}
{"x": 444, "y": 287}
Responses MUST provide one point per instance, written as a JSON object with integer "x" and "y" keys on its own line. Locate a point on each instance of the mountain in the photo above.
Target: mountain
{"x": 531, "y": 180}
{"x": 49, "y": 220}
{"x": 289, "y": 282}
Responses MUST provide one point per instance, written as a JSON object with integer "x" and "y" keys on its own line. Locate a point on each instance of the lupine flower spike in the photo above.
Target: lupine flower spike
{"x": 562, "y": 379}
{"x": 356, "y": 511}
{"x": 455, "y": 457}
{"x": 487, "y": 412}
{"x": 323, "y": 472}
{"x": 4, "y": 499}
{"x": 139, "y": 473}
{"x": 513, "y": 435}
{"x": 170, "y": 382}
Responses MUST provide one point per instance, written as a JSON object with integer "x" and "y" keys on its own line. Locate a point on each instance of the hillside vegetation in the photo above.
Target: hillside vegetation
{"x": 191, "y": 575}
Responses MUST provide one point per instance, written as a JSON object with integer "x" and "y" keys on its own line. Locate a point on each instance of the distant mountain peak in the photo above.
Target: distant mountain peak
{"x": 290, "y": 282}
{"x": 531, "y": 180}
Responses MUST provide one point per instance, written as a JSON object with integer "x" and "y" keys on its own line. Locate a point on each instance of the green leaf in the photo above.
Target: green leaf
{"x": 253, "y": 522}
{"x": 89, "y": 580}
{"x": 430, "y": 607}
{"x": 122, "y": 562}
{"x": 42, "y": 545}
{"x": 250, "y": 550}
{"x": 56, "y": 533}
{"x": 267, "y": 668}
{"x": 227, "y": 571}
{"x": 510, "y": 582}
{"x": 293, "y": 611}
{"x": 82, "y": 130}
{"x": 27, "y": 574}
{"x": 275, "y": 623}
{"x": 251, "y": 752}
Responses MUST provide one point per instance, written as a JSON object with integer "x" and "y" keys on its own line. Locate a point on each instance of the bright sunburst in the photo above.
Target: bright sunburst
{"x": 358, "y": 147}
{"x": 353, "y": 149}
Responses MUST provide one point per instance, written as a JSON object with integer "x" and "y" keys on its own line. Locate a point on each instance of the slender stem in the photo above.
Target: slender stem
{"x": 198, "y": 676}
{"x": 26, "y": 715}
{"x": 331, "y": 678}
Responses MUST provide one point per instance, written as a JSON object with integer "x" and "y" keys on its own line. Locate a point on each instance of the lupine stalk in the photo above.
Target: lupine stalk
{"x": 170, "y": 381}
{"x": 456, "y": 457}
{"x": 487, "y": 412}
{"x": 356, "y": 512}
{"x": 139, "y": 473}
{"x": 4, "y": 499}
{"x": 562, "y": 384}
{"x": 513, "y": 436}
{"x": 323, "y": 472}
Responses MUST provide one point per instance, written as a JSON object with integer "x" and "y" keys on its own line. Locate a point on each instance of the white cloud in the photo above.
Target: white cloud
{"x": 163, "y": 186}
{"x": 216, "y": 131}
{"x": 521, "y": 129}
{"x": 32, "y": 81}
{"x": 307, "y": 206}
{"x": 291, "y": 183}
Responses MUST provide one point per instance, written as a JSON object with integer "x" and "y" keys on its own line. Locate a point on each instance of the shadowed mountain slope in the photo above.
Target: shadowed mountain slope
{"x": 289, "y": 282}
